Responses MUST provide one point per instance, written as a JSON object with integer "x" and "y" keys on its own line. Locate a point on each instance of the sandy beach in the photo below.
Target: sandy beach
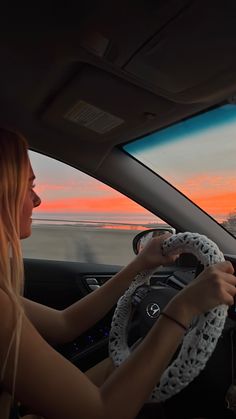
{"x": 81, "y": 243}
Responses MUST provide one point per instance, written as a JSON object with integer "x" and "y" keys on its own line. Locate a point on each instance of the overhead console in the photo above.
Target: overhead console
{"x": 184, "y": 51}
{"x": 183, "y": 56}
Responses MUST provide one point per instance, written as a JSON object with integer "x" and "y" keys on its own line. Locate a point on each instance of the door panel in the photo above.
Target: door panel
{"x": 60, "y": 284}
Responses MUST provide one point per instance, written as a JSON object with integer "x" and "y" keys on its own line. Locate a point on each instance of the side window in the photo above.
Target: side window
{"x": 80, "y": 218}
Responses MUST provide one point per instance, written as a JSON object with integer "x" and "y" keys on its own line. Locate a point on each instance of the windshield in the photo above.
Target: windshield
{"x": 197, "y": 156}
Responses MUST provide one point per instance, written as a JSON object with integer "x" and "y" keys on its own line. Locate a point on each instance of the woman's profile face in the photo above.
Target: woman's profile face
{"x": 31, "y": 201}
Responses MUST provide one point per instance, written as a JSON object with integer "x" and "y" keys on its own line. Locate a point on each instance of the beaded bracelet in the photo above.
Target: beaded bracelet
{"x": 174, "y": 320}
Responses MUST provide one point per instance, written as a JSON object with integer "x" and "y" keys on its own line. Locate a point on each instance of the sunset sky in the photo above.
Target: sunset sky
{"x": 66, "y": 190}
{"x": 197, "y": 157}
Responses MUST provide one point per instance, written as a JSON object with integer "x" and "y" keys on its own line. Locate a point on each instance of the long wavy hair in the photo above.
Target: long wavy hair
{"x": 14, "y": 172}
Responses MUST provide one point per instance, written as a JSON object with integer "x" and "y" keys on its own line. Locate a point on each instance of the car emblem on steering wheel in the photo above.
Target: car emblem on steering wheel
{"x": 153, "y": 310}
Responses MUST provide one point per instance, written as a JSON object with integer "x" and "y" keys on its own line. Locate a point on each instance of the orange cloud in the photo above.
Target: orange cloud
{"x": 213, "y": 193}
{"x": 69, "y": 189}
{"x": 218, "y": 204}
{"x": 208, "y": 184}
{"x": 106, "y": 204}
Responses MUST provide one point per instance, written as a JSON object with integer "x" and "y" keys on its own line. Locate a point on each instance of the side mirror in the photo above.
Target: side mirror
{"x": 141, "y": 239}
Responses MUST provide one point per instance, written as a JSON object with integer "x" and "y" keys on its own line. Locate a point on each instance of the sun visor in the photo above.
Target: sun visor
{"x": 192, "y": 56}
{"x": 96, "y": 105}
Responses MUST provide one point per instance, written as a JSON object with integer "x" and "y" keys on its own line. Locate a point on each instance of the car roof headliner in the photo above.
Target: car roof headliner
{"x": 147, "y": 63}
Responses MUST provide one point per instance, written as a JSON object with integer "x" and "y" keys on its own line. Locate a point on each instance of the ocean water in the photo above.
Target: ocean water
{"x": 103, "y": 220}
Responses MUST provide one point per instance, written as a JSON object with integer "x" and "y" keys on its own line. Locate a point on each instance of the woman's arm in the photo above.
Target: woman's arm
{"x": 64, "y": 326}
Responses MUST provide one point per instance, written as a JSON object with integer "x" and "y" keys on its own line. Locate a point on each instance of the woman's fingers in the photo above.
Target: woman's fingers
{"x": 224, "y": 284}
{"x": 225, "y": 266}
{"x": 231, "y": 279}
{"x": 231, "y": 291}
{"x": 228, "y": 299}
{"x": 219, "y": 271}
{"x": 216, "y": 285}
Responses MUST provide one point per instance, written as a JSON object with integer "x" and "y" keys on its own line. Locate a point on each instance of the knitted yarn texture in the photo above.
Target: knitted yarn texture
{"x": 198, "y": 344}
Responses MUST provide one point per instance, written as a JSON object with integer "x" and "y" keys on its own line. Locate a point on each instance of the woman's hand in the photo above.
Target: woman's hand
{"x": 214, "y": 286}
{"x": 151, "y": 256}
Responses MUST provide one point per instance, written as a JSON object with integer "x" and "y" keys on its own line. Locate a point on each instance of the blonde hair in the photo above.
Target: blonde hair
{"x": 14, "y": 172}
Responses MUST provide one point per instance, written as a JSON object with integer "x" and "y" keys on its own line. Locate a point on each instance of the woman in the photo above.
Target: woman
{"x": 34, "y": 373}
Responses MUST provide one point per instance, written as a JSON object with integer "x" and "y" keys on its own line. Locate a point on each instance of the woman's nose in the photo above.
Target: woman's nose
{"x": 37, "y": 200}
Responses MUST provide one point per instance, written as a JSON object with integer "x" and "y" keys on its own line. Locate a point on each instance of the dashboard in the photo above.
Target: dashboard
{"x": 59, "y": 284}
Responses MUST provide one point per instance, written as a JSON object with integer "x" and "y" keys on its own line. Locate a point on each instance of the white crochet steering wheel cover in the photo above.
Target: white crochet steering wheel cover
{"x": 198, "y": 344}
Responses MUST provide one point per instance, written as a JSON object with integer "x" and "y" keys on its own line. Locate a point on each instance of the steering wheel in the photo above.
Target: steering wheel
{"x": 198, "y": 343}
